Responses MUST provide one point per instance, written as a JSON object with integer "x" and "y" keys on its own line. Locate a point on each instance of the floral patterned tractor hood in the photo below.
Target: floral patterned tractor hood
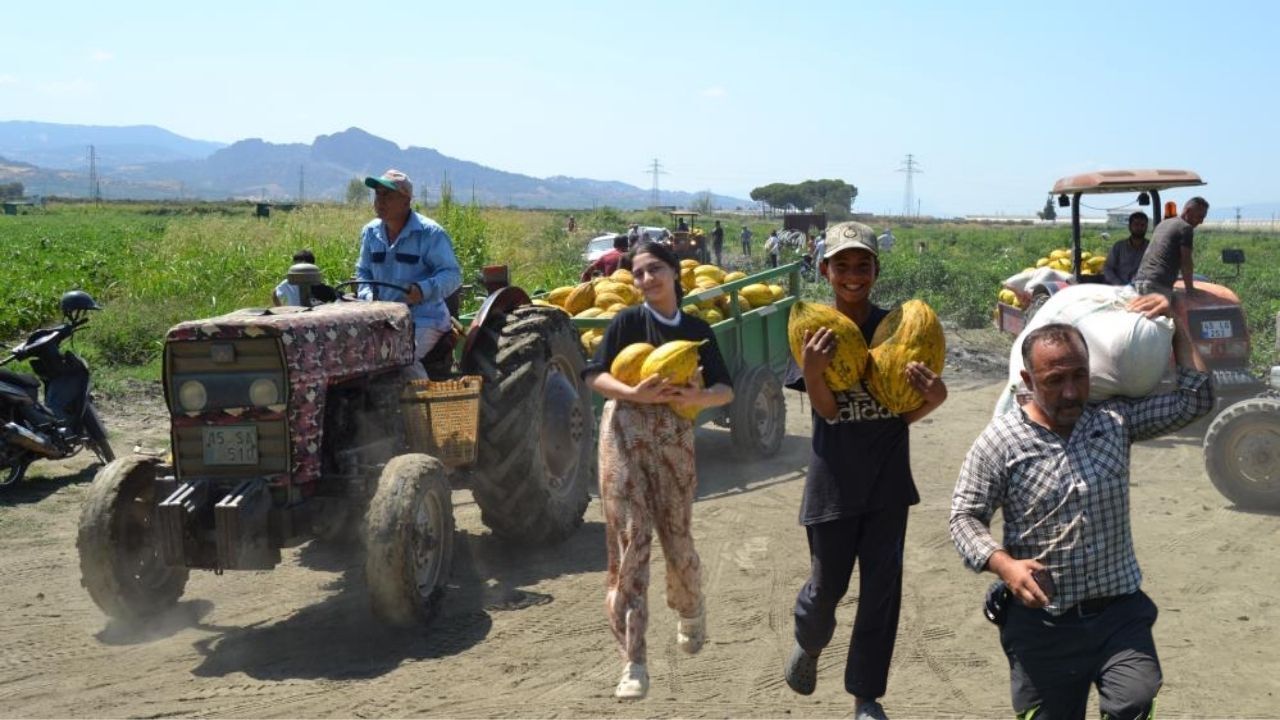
{"x": 322, "y": 345}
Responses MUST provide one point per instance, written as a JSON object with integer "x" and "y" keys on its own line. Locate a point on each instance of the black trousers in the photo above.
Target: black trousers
{"x": 875, "y": 542}
{"x": 1053, "y": 660}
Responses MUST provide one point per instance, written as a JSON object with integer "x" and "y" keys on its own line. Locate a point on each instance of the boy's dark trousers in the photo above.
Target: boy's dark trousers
{"x": 875, "y": 541}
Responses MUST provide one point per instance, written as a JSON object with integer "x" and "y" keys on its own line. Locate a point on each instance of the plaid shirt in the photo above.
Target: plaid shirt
{"x": 1065, "y": 501}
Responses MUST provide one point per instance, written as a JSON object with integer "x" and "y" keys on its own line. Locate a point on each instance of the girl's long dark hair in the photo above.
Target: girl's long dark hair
{"x": 663, "y": 253}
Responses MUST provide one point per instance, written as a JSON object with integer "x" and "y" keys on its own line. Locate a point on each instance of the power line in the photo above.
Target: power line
{"x": 655, "y": 199}
{"x": 911, "y": 168}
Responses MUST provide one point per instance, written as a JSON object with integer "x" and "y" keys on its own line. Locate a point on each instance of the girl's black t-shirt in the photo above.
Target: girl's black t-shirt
{"x": 638, "y": 324}
{"x": 861, "y": 461}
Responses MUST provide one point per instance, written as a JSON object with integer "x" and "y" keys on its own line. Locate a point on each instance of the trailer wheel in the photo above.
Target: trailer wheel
{"x": 1242, "y": 453}
{"x": 536, "y": 458}
{"x": 758, "y": 414}
{"x": 409, "y": 540}
{"x": 120, "y": 562}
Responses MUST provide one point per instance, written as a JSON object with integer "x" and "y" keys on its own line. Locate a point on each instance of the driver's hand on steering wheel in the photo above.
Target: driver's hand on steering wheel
{"x": 415, "y": 294}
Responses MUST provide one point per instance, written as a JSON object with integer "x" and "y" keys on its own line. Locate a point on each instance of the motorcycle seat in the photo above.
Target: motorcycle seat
{"x": 19, "y": 379}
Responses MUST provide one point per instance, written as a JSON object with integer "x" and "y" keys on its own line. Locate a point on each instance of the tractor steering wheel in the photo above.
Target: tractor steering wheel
{"x": 351, "y": 296}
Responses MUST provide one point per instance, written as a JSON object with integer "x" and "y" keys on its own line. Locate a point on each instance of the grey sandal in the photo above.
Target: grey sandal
{"x": 802, "y": 671}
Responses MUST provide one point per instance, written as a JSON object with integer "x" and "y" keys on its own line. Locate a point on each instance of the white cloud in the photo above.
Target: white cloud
{"x": 8, "y": 80}
{"x": 716, "y": 92}
{"x": 72, "y": 89}
{"x": 99, "y": 56}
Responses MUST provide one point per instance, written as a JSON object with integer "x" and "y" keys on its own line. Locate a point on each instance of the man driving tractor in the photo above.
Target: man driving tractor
{"x": 408, "y": 249}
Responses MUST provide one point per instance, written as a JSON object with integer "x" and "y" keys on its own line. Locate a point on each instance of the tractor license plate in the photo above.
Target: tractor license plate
{"x": 231, "y": 445}
{"x": 1215, "y": 329}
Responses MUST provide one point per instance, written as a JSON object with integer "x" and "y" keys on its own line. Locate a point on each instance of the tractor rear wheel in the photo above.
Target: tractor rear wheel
{"x": 1242, "y": 453}
{"x": 409, "y": 540}
{"x": 120, "y": 562}
{"x": 536, "y": 457}
{"x": 758, "y": 414}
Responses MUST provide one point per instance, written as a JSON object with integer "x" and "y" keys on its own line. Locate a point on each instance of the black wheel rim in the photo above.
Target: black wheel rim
{"x": 564, "y": 428}
{"x": 428, "y": 545}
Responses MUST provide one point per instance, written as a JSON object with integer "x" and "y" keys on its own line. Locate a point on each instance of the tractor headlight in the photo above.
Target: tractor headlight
{"x": 192, "y": 396}
{"x": 263, "y": 392}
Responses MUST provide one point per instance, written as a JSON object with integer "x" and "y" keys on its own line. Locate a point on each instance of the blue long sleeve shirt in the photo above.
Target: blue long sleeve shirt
{"x": 422, "y": 254}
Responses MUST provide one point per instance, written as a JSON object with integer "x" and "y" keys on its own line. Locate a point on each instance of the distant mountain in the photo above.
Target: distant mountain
{"x": 170, "y": 167}
{"x": 66, "y": 147}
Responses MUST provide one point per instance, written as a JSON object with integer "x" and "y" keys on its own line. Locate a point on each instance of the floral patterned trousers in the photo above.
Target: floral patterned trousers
{"x": 647, "y": 483}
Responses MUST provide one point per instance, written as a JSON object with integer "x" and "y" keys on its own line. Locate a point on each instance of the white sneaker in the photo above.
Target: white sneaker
{"x": 691, "y": 633}
{"x": 634, "y": 684}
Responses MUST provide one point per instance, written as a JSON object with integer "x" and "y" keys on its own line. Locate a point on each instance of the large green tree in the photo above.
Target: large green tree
{"x": 833, "y": 197}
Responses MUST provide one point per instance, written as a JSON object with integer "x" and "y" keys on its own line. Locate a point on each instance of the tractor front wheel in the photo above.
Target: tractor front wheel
{"x": 409, "y": 540}
{"x": 120, "y": 561}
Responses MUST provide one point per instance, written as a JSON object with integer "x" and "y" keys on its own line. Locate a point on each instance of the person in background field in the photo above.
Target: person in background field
{"x": 633, "y": 235}
{"x": 647, "y": 478}
{"x": 772, "y": 246}
{"x": 1125, "y": 256}
{"x": 746, "y": 240}
{"x": 820, "y": 245}
{"x": 408, "y": 249}
{"x": 717, "y": 241}
{"x": 885, "y": 241}
{"x": 1170, "y": 251}
{"x": 1069, "y": 602}
{"x": 858, "y": 489}
{"x": 571, "y": 225}
{"x": 610, "y": 261}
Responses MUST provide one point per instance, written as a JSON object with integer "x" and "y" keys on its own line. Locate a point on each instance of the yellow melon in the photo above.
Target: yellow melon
{"x": 712, "y": 316}
{"x": 735, "y": 275}
{"x": 590, "y": 313}
{"x": 688, "y": 263}
{"x": 757, "y": 294}
{"x": 622, "y": 275}
{"x": 676, "y": 361}
{"x": 911, "y": 333}
{"x": 604, "y": 300}
{"x": 709, "y": 271}
{"x": 582, "y": 297}
{"x": 629, "y": 362}
{"x": 559, "y": 295}
{"x": 850, "y": 360}
{"x": 778, "y": 292}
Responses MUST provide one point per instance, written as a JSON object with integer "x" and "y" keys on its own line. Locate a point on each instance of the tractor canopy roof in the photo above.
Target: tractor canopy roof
{"x": 1111, "y": 181}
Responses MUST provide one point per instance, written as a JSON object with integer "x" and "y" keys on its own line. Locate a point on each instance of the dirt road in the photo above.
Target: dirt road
{"x": 524, "y": 633}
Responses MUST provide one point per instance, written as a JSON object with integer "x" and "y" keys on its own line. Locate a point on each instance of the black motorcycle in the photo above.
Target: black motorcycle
{"x": 66, "y": 422}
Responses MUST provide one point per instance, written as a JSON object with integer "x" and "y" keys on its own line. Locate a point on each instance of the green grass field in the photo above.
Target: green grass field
{"x": 152, "y": 266}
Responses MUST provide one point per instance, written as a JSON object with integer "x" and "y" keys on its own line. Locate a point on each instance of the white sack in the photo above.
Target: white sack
{"x": 1128, "y": 353}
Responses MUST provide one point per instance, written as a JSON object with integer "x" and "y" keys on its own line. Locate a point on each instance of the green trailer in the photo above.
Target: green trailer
{"x": 756, "y": 351}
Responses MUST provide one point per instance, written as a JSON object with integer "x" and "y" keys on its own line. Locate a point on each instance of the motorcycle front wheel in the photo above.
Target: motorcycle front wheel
{"x": 14, "y": 471}
{"x": 97, "y": 434}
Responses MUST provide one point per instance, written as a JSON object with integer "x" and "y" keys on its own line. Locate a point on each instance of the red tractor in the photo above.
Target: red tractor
{"x": 1241, "y": 446}
{"x": 289, "y": 423}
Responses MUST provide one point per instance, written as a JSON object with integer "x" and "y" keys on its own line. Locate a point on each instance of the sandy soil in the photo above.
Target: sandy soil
{"x": 524, "y": 633}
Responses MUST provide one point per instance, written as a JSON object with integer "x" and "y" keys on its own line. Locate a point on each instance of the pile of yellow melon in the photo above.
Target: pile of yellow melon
{"x": 1060, "y": 259}
{"x": 604, "y": 297}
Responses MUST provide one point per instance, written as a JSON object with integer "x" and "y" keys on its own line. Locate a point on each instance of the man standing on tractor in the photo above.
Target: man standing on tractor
{"x": 408, "y": 249}
{"x": 1126, "y": 255}
{"x": 1170, "y": 251}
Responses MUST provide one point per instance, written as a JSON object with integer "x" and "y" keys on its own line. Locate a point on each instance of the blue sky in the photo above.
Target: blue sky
{"x": 995, "y": 100}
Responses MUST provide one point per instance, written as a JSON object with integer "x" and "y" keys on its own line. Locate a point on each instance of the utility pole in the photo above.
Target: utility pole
{"x": 911, "y": 168}
{"x": 1237, "y": 217}
{"x": 655, "y": 198}
{"x": 95, "y": 190}
{"x": 301, "y": 176}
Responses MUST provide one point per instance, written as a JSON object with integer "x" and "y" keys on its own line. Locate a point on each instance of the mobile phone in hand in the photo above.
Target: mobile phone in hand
{"x": 1044, "y": 579}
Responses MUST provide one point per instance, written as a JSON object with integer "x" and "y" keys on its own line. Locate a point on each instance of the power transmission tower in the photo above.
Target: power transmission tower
{"x": 301, "y": 176}
{"x": 655, "y": 198}
{"x": 911, "y": 168}
{"x": 95, "y": 189}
